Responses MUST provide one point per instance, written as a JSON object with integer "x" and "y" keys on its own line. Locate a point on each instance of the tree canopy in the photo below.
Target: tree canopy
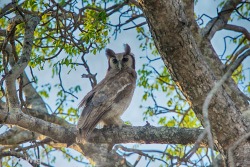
{"x": 192, "y": 91}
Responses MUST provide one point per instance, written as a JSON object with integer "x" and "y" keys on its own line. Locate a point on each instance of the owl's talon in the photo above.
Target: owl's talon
{"x": 147, "y": 124}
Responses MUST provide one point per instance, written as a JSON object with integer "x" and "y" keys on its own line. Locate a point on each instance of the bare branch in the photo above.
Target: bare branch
{"x": 146, "y": 135}
{"x": 140, "y": 152}
{"x": 243, "y": 49}
{"x": 235, "y": 54}
{"x": 219, "y": 22}
{"x": 138, "y": 25}
{"x": 92, "y": 77}
{"x": 117, "y": 8}
{"x": 19, "y": 155}
{"x": 33, "y": 99}
{"x": 48, "y": 117}
{"x": 4, "y": 137}
{"x": 130, "y": 134}
{"x": 56, "y": 132}
{"x": 31, "y": 23}
{"x": 22, "y": 136}
{"x": 61, "y": 84}
{"x": 19, "y": 67}
{"x": 237, "y": 29}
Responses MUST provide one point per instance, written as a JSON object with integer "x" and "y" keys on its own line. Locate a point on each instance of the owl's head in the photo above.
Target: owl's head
{"x": 120, "y": 61}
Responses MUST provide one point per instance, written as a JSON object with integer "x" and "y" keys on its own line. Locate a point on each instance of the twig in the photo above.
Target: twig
{"x": 233, "y": 55}
{"x": 140, "y": 152}
{"x": 138, "y": 25}
{"x": 61, "y": 84}
{"x": 237, "y": 29}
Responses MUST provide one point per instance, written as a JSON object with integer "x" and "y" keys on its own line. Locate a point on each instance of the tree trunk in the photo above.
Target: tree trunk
{"x": 181, "y": 52}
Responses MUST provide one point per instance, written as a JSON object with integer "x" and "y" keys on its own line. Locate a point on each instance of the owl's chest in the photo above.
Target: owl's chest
{"x": 121, "y": 92}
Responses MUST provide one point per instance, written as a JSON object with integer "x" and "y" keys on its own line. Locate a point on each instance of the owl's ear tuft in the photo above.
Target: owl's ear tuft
{"x": 127, "y": 49}
{"x": 110, "y": 53}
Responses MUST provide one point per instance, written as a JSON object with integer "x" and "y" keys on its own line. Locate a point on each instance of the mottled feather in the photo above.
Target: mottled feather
{"x": 110, "y": 98}
{"x": 96, "y": 103}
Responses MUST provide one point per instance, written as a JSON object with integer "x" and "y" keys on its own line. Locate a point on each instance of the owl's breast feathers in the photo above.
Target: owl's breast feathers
{"x": 113, "y": 89}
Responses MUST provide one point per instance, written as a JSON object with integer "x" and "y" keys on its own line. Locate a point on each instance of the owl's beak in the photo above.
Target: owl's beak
{"x": 119, "y": 66}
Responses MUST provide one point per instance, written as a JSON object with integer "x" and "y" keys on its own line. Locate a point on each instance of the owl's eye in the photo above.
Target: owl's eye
{"x": 115, "y": 61}
{"x": 125, "y": 59}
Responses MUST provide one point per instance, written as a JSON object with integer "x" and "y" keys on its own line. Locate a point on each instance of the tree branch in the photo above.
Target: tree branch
{"x": 146, "y": 135}
{"x": 31, "y": 23}
{"x": 219, "y": 22}
{"x": 32, "y": 98}
{"x": 48, "y": 117}
{"x": 56, "y": 132}
{"x": 19, "y": 155}
{"x": 128, "y": 134}
{"x": 18, "y": 68}
{"x": 237, "y": 29}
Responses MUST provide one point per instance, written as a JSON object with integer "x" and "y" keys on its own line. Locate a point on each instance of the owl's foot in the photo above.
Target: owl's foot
{"x": 147, "y": 124}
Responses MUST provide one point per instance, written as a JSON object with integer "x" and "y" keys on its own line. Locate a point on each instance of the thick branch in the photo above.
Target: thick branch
{"x": 56, "y": 132}
{"x": 18, "y": 68}
{"x": 128, "y": 134}
{"x": 219, "y": 22}
{"x": 146, "y": 135}
{"x": 48, "y": 117}
{"x": 41, "y": 115}
{"x": 101, "y": 154}
{"x": 19, "y": 138}
{"x": 102, "y": 138}
{"x": 31, "y": 23}
{"x": 33, "y": 99}
{"x": 19, "y": 155}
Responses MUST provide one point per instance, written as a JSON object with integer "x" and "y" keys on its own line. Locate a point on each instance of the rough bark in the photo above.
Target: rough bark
{"x": 183, "y": 57}
{"x": 101, "y": 140}
{"x": 202, "y": 38}
{"x": 65, "y": 133}
{"x": 185, "y": 49}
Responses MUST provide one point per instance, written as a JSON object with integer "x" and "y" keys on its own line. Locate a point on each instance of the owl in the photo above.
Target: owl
{"x": 108, "y": 100}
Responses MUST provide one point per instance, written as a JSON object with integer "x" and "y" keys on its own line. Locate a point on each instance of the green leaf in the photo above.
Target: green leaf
{"x": 171, "y": 123}
{"x": 44, "y": 93}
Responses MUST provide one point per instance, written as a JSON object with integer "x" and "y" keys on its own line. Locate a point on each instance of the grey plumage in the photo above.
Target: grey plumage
{"x": 107, "y": 101}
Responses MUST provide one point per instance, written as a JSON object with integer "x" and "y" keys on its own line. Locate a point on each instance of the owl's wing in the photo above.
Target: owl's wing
{"x": 99, "y": 101}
